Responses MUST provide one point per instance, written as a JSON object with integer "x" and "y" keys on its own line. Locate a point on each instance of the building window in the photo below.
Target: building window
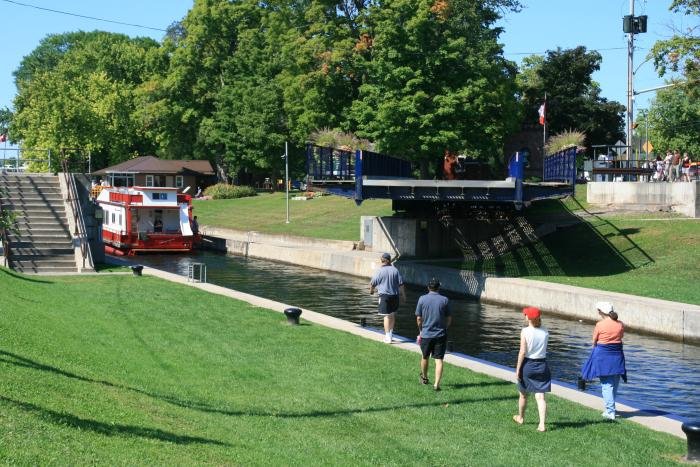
{"x": 179, "y": 181}
{"x": 121, "y": 179}
{"x": 149, "y": 180}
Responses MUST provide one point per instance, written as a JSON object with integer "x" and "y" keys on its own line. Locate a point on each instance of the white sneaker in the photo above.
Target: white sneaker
{"x": 388, "y": 337}
{"x": 608, "y": 415}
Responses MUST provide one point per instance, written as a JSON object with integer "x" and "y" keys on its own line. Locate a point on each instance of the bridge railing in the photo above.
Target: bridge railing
{"x": 331, "y": 165}
{"x": 560, "y": 166}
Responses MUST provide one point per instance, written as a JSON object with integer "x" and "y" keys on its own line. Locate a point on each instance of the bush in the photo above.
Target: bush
{"x": 226, "y": 191}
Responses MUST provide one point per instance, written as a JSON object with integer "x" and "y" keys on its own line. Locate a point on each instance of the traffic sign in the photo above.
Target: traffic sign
{"x": 648, "y": 147}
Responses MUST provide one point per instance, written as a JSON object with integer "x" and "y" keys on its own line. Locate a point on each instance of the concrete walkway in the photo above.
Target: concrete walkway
{"x": 648, "y": 419}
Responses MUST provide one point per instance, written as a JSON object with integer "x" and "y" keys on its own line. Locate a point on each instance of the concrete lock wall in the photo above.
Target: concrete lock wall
{"x": 679, "y": 321}
{"x": 681, "y": 197}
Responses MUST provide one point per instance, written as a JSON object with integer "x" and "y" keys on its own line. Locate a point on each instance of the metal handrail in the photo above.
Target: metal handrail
{"x": 80, "y": 229}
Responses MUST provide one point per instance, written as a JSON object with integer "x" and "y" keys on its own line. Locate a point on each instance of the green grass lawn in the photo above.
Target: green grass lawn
{"x": 331, "y": 217}
{"x": 131, "y": 370}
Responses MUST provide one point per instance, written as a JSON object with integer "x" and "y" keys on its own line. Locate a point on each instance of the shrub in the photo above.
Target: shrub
{"x": 565, "y": 140}
{"x": 226, "y": 191}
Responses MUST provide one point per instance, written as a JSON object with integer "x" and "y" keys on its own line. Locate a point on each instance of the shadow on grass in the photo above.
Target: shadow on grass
{"x": 577, "y": 424}
{"x": 478, "y": 385}
{"x": 24, "y": 277}
{"x": 577, "y": 248}
{"x": 64, "y": 419}
{"x": 201, "y": 407}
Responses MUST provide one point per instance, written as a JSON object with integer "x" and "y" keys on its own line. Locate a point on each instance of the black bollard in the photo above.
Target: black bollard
{"x": 692, "y": 432}
{"x": 292, "y": 315}
{"x": 450, "y": 346}
{"x": 363, "y": 322}
{"x": 137, "y": 269}
{"x": 581, "y": 384}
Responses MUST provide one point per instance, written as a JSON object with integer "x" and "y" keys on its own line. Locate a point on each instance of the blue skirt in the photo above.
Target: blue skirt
{"x": 535, "y": 376}
{"x": 605, "y": 360}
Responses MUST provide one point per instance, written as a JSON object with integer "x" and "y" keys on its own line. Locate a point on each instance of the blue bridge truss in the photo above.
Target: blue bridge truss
{"x": 362, "y": 175}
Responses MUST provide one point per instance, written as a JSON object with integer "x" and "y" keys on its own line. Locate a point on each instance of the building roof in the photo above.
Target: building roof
{"x": 153, "y": 165}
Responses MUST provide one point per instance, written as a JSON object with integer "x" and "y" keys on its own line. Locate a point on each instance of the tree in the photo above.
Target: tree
{"x": 673, "y": 121}
{"x": 83, "y": 95}
{"x": 436, "y": 79}
{"x": 573, "y": 98}
{"x": 681, "y": 52}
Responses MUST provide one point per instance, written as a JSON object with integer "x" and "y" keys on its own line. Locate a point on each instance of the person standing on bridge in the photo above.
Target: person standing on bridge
{"x": 433, "y": 317}
{"x": 387, "y": 282}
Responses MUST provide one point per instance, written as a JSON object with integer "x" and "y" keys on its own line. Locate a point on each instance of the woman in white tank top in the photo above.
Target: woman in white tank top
{"x": 532, "y": 370}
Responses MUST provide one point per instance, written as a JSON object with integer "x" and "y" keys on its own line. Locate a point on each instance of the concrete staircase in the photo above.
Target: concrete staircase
{"x": 44, "y": 245}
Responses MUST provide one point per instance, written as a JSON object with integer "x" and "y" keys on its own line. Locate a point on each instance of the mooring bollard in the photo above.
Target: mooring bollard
{"x": 581, "y": 384}
{"x": 292, "y": 315}
{"x": 137, "y": 269}
{"x": 363, "y": 322}
{"x": 692, "y": 432}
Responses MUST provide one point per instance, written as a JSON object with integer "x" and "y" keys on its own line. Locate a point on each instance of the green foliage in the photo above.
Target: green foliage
{"x": 673, "y": 122}
{"x": 681, "y": 52}
{"x": 436, "y": 79}
{"x": 77, "y": 91}
{"x": 565, "y": 140}
{"x": 226, "y": 191}
{"x": 337, "y": 139}
{"x": 573, "y": 98}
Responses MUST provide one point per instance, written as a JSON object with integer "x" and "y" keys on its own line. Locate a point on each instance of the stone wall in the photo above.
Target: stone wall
{"x": 683, "y": 197}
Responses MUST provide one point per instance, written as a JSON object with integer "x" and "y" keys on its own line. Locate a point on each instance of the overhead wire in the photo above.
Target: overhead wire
{"x": 83, "y": 16}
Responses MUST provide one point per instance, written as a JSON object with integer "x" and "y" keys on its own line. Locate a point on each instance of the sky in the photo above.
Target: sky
{"x": 542, "y": 25}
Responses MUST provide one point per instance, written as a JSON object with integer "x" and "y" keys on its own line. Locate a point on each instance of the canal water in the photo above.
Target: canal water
{"x": 662, "y": 374}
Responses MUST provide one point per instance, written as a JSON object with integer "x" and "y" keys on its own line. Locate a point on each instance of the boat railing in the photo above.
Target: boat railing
{"x": 80, "y": 231}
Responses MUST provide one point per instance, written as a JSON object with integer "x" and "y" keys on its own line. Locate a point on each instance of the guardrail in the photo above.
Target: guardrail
{"x": 80, "y": 229}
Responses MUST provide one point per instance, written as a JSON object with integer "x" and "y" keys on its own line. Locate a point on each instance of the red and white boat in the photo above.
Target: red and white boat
{"x": 146, "y": 219}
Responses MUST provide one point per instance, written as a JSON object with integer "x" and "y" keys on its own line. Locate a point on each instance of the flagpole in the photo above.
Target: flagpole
{"x": 544, "y": 126}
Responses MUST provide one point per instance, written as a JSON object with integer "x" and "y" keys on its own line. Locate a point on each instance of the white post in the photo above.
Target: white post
{"x": 286, "y": 177}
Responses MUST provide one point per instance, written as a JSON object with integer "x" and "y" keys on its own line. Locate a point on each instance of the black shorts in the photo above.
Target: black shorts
{"x": 388, "y": 304}
{"x": 433, "y": 345}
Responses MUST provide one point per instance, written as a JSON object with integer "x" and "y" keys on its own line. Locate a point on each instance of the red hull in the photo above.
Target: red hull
{"x": 151, "y": 243}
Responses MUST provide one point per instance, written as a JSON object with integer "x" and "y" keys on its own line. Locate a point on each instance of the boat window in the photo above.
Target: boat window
{"x": 163, "y": 196}
{"x": 113, "y": 218}
{"x": 120, "y": 219}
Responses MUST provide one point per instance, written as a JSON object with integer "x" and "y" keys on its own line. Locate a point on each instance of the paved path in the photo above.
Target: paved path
{"x": 648, "y": 419}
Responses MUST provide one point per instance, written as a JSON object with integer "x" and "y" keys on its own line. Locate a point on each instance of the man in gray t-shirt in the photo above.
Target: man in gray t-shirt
{"x": 388, "y": 284}
{"x": 433, "y": 317}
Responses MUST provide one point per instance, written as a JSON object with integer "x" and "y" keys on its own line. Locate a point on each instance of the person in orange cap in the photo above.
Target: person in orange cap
{"x": 532, "y": 370}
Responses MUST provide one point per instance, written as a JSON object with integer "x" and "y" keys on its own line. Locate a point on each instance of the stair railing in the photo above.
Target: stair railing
{"x": 80, "y": 230}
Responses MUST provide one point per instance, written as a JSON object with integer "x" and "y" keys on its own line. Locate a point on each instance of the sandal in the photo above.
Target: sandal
{"x": 424, "y": 380}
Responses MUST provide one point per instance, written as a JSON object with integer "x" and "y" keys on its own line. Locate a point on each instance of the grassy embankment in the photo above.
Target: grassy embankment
{"x": 116, "y": 370}
{"x": 653, "y": 254}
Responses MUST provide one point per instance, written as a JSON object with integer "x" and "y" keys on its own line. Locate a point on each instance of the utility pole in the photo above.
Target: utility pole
{"x": 630, "y": 82}
{"x": 631, "y": 25}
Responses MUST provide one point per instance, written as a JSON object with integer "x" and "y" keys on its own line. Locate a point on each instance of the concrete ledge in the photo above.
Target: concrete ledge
{"x": 271, "y": 239}
{"x": 650, "y": 420}
{"x": 683, "y": 197}
{"x": 679, "y": 321}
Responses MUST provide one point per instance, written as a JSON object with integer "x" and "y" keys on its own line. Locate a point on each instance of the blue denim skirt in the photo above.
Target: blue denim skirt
{"x": 535, "y": 376}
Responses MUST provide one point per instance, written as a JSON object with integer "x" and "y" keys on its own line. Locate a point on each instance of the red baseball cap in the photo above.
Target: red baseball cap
{"x": 531, "y": 312}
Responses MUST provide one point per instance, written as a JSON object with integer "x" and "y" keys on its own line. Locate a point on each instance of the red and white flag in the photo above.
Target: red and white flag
{"x": 542, "y": 112}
